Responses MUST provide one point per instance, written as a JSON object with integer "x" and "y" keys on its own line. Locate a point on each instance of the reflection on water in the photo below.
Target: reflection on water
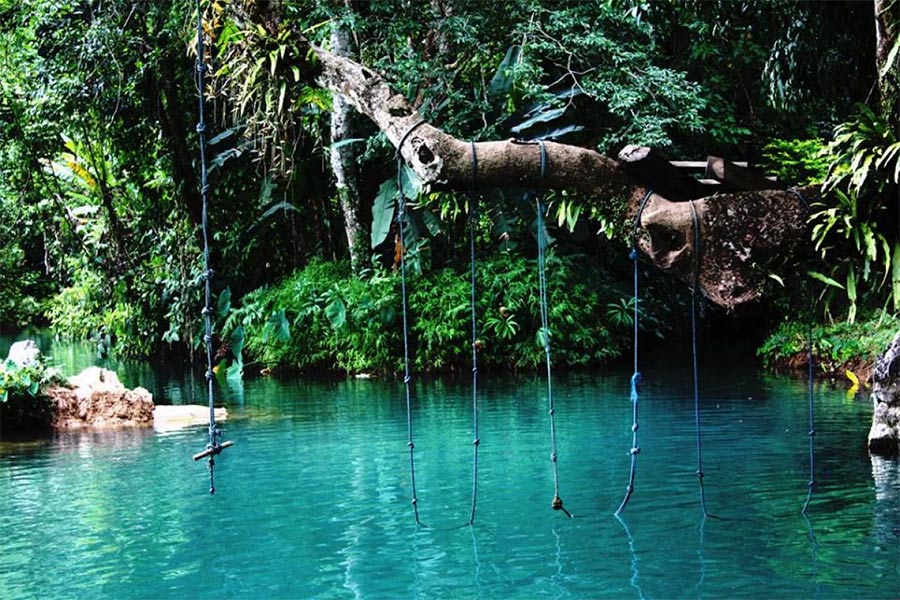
{"x": 313, "y": 500}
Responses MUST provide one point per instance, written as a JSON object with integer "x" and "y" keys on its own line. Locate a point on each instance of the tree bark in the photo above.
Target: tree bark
{"x": 887, "y": 24}
{"x": 745, "y": 236}
{"x": 343, "y": 159}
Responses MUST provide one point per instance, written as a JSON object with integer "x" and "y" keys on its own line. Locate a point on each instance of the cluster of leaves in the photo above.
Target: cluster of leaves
{"x": 856, "y": 228}
{"x": 325, "y": 318}
{"x": 796, "y": 162}
{"x": 23, "y": 405}
{"x": 835, "y": 345}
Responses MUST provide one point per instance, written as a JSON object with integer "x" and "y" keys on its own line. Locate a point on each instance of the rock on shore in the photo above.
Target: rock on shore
{"x": 97, "y": 399}
{"x": 884, "y": 436}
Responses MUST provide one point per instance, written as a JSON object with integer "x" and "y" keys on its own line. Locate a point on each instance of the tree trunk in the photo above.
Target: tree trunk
{"x": 744, "y": 237}
{"x": 343, "y": 160}
{"x": 887, "y": 23}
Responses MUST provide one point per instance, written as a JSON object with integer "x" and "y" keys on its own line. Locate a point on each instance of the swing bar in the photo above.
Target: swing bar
{"x": 213, "y": 450}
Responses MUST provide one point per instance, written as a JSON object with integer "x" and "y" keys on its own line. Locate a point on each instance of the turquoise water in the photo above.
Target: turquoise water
{"x": 313, "y": 500}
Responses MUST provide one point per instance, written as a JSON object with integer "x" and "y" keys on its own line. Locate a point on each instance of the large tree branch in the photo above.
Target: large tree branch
{"x": 744, "y": 236}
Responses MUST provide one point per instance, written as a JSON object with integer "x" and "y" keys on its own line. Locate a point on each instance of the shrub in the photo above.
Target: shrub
{"x": 323, "y": 317}
{"x": 23, "y": 403}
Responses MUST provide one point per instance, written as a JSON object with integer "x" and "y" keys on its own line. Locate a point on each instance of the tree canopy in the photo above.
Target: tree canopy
{"x": 98, "y": 193}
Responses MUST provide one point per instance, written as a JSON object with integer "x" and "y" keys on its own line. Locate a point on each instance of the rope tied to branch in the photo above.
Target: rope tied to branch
{"x": 695, "y": 284}
{"x": 556, "y": 503}
{"x": 810, "y": 359}
{"x": 636, "y": 376}
{"x": 473, "y": 224}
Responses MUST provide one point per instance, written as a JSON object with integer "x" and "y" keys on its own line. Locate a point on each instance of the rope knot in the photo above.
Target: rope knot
{"x": 553, "y": 457}
{"x": 636, "y": 379}
{"x": 206, "y": 311}
{"x": 209, "y": 375}
{"x": 812, "y": 432}
{"x": 636, "y": 450}
{"x": 699, "y": 474}
{"x": 557, "y": 503}
{"x": 407, "y": 379}
{"x": 633, "y": 255}
{"x": 410, "y": 445}
{"x": 476, "y": 442}
{"x": 201, "y": 127}
{"x": 634, "y": 428}
{"x": 208, "y": 274}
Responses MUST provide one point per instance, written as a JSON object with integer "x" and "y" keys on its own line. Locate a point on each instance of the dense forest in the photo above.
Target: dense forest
{"x": 100, "y": 200}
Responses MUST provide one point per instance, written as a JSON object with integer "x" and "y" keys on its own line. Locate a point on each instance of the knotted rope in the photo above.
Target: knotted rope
{"x": 694, "y": 286}
{"x": 556, "y": 503}
{"x": 401, "y": 220}
{"x": 473, "y": 224}
{"x": 636, "y": 376}
{"x": 213, "y": 447}
{"x": 810, "y": 359}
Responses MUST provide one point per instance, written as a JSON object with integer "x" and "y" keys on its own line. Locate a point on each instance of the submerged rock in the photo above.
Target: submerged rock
{"x": 169, "y": 418}
{"x": 97, "y": 399}
{"x": 884, "y": 436}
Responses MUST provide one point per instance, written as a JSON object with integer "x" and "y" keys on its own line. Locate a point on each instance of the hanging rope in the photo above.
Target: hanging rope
{"x": 556, "y": 503}
{"x": 407, "y": 378}
{"x": 636, "y": 376}
{"x": 811, "y": 380}
{"x": 694, "y": 286}
{"x": 473, "y": 223}
{"x": 213, "y": 447}
{"x": 401, "y": 220}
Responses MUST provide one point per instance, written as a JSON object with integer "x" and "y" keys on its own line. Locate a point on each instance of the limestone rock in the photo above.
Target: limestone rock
{"x": 24, "y": 354}
{"x": 99, "y": 400}
{"x": 884, "y": 436}
{"x": 170, "y": 418}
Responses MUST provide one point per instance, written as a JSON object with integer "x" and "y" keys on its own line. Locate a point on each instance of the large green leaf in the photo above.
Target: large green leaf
{"x": 223, "y": 306}
{"x": 383, "y": 211}
{"x": 503, "y": 79}
{"x": 336, "y": 311}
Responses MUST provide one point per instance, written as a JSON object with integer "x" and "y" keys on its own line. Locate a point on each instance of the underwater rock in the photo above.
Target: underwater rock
{"x": 884, "y": 436}
{"x": 97, "y": 399}
{"x": 170, "y": 418}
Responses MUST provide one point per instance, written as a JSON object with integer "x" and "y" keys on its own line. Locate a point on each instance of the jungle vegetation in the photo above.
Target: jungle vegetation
{"x": 100, "y": 207}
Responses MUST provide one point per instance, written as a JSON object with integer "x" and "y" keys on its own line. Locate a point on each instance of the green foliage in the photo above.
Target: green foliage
{"x": 796, "y": 162}
{"x": 835, "y": 345}
{"x": 324, "y": 318}
{"x": 855, "y": 228}
{"x": 23, "y": 404}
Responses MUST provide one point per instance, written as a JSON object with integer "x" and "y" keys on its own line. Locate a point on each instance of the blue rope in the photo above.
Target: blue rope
{"x": 556, "y": 503}
{"x": 213, "y": 447}
{"x": 407, "y": 378}
{"x": 473, "y": 223}
{"x": 696, "y": 282}
{"x": 401, "y": 220}
{"x": 810, "y": 381}
{"x": 636, "y": 376}
{"x": 812, "y": 420}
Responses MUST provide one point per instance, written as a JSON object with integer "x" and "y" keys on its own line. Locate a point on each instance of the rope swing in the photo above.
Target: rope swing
{"x": 473, "y": 224}
{"x": 213, "y": 447}
{"x": 694, "y": 286}
{"x": 407, "y": 378}
{"x": 636, "y": 376}
{"x": 556, "y": 503}
{"x": 810, "y": 359}
{"x": 401, "y": 220}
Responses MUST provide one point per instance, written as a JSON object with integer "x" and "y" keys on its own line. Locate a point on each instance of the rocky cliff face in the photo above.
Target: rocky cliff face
{"x": 97, "y": 399}
{"x": 884, "y": 436}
